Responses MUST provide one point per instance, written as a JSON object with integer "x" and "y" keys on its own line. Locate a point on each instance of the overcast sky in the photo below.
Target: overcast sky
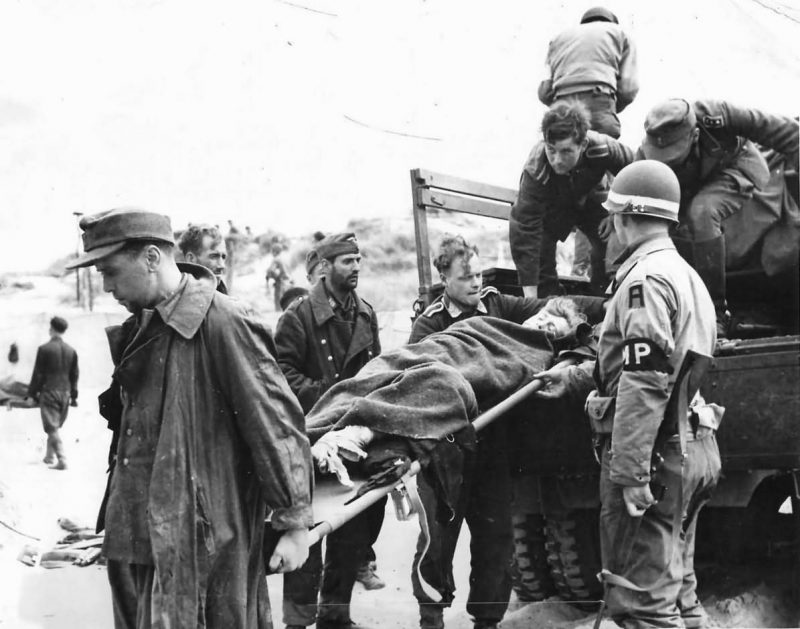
{"x": 300, "y": 115}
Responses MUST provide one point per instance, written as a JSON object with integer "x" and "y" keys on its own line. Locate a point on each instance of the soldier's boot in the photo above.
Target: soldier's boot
{"x": 368, "y": 577}
{"x": 431, "y": 617}
{"x": 709, "y": 262}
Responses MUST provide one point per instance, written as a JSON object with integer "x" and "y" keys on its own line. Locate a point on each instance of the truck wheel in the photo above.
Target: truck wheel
{"x": 530, "y": 572}
{"x": 573, "y": 552}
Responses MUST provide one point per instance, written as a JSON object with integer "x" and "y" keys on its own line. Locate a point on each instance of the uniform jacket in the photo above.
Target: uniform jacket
{"x": 212, "y": 439}
{"x": 305, "y": 351}
{"x": 550, "y": 202}
{"x": 55, "y": 369}
{"x": 725, "y": 145}
{"x": 660, "y": 309}
{"x": 597, "y": 55}
{"x": 441, "y": 314}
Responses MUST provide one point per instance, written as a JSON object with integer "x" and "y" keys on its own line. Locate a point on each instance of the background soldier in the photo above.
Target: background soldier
{"x": 208, "y": 439}
{"x": 322, "y": 339}
{"x": 203, "y": 245}
{"x": 710, "y": 147}
{"x": 563, "y": 186}
{"x": 54, "y": 385}
{"x": 594, "y": 63}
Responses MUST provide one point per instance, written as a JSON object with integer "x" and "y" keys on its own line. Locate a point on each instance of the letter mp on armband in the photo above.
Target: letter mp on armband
{"x": 643, "y": 355}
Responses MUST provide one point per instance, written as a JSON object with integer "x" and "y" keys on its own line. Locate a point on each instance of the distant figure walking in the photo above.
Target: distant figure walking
{"x": 279, "y": 275}
{"x": 54, "y": 385}
{"x": 232, "y": 239}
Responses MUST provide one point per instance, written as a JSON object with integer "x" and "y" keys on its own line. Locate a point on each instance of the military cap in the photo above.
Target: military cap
{"x": 598, "y": 14}
{"x": 108, "y": 232}
{"x": 312, "y": 260}
{"x": 668, "y": 127}
{"x": 337, "y": 245}
{"x": 59, "y": 324}
{"x": 291, "y": 294}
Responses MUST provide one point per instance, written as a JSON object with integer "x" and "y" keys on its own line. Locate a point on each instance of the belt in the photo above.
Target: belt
{"x": 597, "y": 89}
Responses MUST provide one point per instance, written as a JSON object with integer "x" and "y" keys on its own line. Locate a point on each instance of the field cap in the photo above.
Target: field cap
{"x": 337, "y": 245}
{"x": 668, "y": 129}
{"x": 107, "y": 232}
{"x": 599, "y": 14}
{"x": 59, "y": 324}
{"x": 312, "y": 260}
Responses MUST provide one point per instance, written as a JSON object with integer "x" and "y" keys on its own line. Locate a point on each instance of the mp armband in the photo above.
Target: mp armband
{"x": 643, "y": 355}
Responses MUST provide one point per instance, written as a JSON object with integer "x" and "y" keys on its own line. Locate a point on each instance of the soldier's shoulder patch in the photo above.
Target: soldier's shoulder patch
{"x": 713, "y": 122}
{"x": 431, "y": 310}
{"x": 636, "y": 295}
{"x": 489, "y": 290}
{"x": 598, "y": 151}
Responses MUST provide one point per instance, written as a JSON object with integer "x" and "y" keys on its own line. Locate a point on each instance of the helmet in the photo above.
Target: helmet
{"x": 599, "y": 14}
{"x": 645, "y": 188}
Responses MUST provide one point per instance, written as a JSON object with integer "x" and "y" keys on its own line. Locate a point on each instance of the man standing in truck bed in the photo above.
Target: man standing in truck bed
{"x": 594, "y": 63}
{"x": 563, "y": 186}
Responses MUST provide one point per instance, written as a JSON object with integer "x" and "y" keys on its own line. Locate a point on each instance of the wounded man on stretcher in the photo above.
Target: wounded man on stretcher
{"x": 404, "y": 403}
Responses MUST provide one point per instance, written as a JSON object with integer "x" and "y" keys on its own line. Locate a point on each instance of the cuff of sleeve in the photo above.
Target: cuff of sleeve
{"x": 628, "y": 472}
{"x": 296, "y": 517}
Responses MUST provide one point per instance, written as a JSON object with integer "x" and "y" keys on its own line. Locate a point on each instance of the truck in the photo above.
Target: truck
{"x": 755, "y": 511}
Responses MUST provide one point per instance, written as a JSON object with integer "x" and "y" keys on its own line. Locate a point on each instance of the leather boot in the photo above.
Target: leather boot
{"x": 709, "y": 262}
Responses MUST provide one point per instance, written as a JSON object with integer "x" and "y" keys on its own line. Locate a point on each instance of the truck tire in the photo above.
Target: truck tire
{"x": 573, "y": 553}
{"x": 530, "y": 573}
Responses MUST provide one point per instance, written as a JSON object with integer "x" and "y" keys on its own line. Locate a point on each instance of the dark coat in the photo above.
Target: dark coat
{"x": 56, "y": 369}
{"x": 555, "y": 203}
{"x": 306, "y": 353}
{"x": 229, "y": 447}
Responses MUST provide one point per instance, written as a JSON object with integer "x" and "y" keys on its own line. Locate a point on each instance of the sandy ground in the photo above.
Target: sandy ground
{"x": 32, "y": 498}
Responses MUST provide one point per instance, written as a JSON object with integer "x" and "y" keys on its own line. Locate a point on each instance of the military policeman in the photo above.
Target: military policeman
{"x": 660, "y": 310}
{"x": 485, "y": 494}
{"x": 562, "y": 186}
{"x": 595, "y": 63}
{"x": 710, "y": 147}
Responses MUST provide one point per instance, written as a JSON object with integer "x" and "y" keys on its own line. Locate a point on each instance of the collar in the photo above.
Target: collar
{"x": 185, "y": 310}
{"x": 321, "y": 306}
{"x": 631, "y": 256}
{"x": 455, "y": 311}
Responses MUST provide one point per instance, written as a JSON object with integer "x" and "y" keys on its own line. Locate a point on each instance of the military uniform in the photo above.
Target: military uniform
{"x": 320, "y": 342}
{"x": 54, "y": 383}
{"x": 659, "y": 311}
{"x": 484, "y": 498}
{"x": 548, "y": 206}
{"x": 594, "y": 63}
{"x": 722, "y": 171}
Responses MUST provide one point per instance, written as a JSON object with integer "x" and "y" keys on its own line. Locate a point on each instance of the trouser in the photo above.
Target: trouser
{"x": 651, "y": 551}
{"x": 53, "y": 407}
{"x": 346, "y": 549}
{"x": 485, "y": 502}
{"x": 300, "y": 590}
{"x": 588, "y": 222}
{"x": 602, "y": 108}
{"x": 131, "y": 594}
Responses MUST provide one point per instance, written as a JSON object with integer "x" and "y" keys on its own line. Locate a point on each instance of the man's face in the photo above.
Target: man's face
{"x": 548, "y": 322}
{"x": 564, "y": 154}
{"x": 342, "y": 272}
{"x": 463, "y": 281}
{"x": 212, "y": 255}
{"x": 129, "y": 279}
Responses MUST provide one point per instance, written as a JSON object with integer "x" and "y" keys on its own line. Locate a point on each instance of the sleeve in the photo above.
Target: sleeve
{"x": 592, "y": 307}
{"x": 643, "y": 390}
{"x": 376, "y": 339}
{"x": 545, "y": 91}
{"x": 74, "y": 372}
{"x": 422, "y": 327}
{"x": 37, "y": 377}
{"x": 525, "y": 227}
{"x": 268, "y": 418}
{"x": 519, "y": 309}
{"x": 776, "y": 132}
{"x": 627, "y": 79}
{"x": 580, "y": 380}
{"x": 619, "y": 155}
{"x": 292, "y": 348}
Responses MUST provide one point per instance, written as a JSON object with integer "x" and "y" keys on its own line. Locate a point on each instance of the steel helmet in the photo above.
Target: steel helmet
{"x": 598, "y": 14}
{"x": 645, "y": 188}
